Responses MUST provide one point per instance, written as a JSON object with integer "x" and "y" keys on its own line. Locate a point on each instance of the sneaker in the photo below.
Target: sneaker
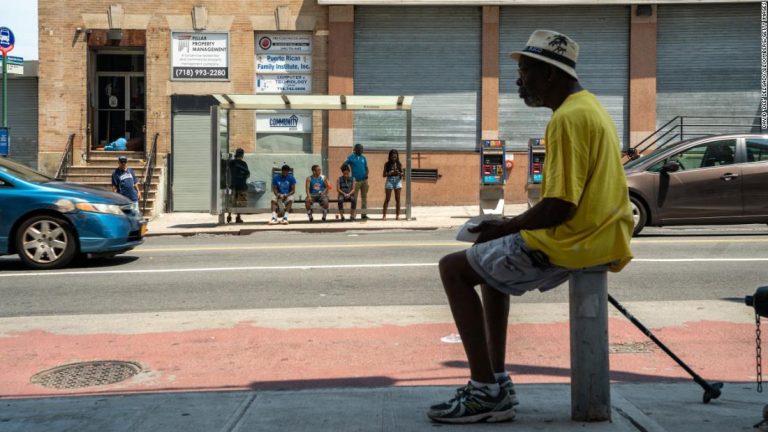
{"x": 507, "y": 386}
{"x": 229, "y": 219}
{"x": 364, "y": 217}
{"x": 284, "y": 221}
{"x": 273, "y": 221}
{"x": 474, "y": 405}
{"x": 239, "y": 220}
{"x": 311, "y": 218}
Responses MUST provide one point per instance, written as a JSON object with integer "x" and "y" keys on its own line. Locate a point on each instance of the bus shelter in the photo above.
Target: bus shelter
{"x": 263, "y": 165}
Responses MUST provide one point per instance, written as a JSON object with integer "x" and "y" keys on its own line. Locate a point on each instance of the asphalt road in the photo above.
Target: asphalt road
{"x": 277, "y": 270}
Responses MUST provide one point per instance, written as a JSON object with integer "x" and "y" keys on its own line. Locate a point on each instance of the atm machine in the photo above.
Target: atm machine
{"x": 536, "y": 153}
{"x": 492, "y": 177}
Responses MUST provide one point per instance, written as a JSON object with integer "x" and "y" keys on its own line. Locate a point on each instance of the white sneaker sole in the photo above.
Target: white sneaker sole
{"x": 489, "y": 417}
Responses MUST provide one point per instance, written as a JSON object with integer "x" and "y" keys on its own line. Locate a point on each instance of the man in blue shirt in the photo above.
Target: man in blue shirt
{"x": 283, "y": 186}
{"x": 124, "y": 182}
{"x": 359, "y": 165}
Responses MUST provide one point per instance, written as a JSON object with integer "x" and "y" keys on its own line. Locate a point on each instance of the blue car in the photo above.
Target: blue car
{"x": 49, "y": 222}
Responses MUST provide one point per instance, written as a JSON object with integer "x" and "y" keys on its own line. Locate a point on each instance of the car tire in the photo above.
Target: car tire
{"x": 639, "y": 215}
{"x": 46, "y": 242}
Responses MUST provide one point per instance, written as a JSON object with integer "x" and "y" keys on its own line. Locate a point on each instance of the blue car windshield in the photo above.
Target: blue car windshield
{"x": 22, "y": 172}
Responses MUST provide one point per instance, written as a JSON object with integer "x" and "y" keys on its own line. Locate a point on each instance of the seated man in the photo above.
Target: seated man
{"x": 317, "y": 191}
{"x": 346, "y": 188}
{"x": 283, "y": 186}
{"x": 583, "y": 220}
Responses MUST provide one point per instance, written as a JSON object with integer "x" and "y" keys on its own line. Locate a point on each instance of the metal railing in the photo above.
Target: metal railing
{"x": 684, "y": 127}
{"x": 67, "y": 158}
{"x": 149, "y": 169}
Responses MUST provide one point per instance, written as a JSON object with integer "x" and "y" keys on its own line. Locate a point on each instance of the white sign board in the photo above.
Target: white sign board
{"x": 283, "y": 83}
{"x": 284, "y": 122}
{"x": 13, "y": 69}
{"x": 283, "y": 43}
{"x": 199, "y": 56}
{"x": 283, "y": 63}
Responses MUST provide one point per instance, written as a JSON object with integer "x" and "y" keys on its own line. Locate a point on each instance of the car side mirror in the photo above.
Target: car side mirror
{"x": 670, "y": 166}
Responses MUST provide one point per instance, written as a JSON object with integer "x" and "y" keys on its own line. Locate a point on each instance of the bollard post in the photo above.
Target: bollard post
{"x": 590, "y": 380}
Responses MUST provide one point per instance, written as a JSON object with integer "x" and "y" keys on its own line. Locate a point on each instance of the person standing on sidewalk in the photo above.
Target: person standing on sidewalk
{"x": 359, "y": 165}
{"x": 238, "y": 175}
{"x": 283, "y": 186}
{"x": 583, "y": 220}
{"x": 125, "y": 183}
{"x": 393, "y": 172}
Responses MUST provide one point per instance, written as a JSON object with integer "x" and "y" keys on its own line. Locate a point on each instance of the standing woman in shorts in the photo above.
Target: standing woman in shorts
{"x": 393, "y": 172}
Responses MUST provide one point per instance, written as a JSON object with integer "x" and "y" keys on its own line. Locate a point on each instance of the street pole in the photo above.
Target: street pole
{"x": 5, "y": 89}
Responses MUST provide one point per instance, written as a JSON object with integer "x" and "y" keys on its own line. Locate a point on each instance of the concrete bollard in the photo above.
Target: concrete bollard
{"x": 590, "y": 379}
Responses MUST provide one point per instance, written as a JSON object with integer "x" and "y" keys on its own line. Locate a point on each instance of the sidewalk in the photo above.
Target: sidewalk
{"x": 422, "y": 218}
{"x": 636, "y": 407}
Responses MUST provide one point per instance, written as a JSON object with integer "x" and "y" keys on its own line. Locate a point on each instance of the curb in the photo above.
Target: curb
{"x": 323, "y": 230}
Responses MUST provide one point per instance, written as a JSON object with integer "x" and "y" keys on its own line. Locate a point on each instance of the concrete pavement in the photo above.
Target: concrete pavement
{"x": 668, "y": 407}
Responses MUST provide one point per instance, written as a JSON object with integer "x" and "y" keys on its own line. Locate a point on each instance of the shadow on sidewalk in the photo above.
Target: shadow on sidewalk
{"x": 616, "y": 376}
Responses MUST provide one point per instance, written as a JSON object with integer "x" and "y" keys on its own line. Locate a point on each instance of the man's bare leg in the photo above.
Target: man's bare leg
{"x": 459, "y": 281}
{"x": 496, "y": 313}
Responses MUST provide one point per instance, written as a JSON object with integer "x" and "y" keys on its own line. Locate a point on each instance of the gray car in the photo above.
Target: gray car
{"x": 717, "y": 179}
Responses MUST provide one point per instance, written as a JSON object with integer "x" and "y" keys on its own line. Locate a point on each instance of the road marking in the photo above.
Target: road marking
{"x": 325, "y": 267}
{"x": 721, "y": 240}
{"x": 700, "y": 260}
{"x": 301, "y": 246}
{"x": 217, "y": 269}
{"x": 326, "y": 246}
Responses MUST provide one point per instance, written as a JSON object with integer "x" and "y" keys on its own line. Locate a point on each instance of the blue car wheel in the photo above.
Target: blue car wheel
{"x": 46, "y": 242}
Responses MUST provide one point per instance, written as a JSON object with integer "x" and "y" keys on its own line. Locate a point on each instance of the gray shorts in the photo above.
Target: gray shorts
{"x": 506, "y": 265}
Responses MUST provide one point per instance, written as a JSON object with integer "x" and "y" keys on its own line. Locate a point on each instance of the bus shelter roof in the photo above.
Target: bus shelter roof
{"x": 314, "y": 102}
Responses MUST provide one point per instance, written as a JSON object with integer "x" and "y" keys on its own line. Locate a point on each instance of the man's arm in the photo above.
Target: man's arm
{"x": 306, "y": 187}
{"x": 549, "y": 212}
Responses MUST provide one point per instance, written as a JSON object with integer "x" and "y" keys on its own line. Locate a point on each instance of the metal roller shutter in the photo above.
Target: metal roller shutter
{"x": 22, "y": 120}
{"x": 191, "y": 162}
{"x": 708, "y": 62}
{"x": 430, "y": 52}
{"x": 602, "y": 33}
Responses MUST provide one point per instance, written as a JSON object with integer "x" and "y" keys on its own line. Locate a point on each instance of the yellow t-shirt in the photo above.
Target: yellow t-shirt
{"x": 583, "y": 166}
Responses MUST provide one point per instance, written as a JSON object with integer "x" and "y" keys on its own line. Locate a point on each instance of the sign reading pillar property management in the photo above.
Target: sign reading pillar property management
{"x": 284, "y": 63}
{"x": 197, "y": 56}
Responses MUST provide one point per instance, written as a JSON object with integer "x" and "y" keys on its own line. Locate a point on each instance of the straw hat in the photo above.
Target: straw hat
{"x": 551, "y": 47}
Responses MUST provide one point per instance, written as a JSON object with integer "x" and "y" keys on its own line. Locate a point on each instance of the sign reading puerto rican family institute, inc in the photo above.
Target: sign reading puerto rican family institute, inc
{"x": 284, "y": 63}
{"x": 284, "y": 122}
{"x": 197, "y": 56}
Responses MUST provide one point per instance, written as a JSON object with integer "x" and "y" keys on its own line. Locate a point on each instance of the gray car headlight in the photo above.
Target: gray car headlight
{"x": 100, "y": 208}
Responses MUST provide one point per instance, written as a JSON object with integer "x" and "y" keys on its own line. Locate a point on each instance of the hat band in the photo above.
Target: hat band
{"x": 550, "y": 55}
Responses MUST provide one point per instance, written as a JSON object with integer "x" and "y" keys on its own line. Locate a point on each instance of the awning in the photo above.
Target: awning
{"x": 314, "y": 102}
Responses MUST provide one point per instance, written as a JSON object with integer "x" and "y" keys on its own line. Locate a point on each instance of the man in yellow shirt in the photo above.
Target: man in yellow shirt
{"x": 583, "y": 220}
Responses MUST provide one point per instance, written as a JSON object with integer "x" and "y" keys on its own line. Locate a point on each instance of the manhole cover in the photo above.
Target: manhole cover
{"x": 86, "y": 374}
{"x": 630, "y": 348}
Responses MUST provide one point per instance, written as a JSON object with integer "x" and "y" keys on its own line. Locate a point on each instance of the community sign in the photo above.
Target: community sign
{"x": 197, "y": 56}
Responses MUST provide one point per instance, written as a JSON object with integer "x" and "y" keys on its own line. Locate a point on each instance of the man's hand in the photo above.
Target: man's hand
{"x": 494, "y": 228}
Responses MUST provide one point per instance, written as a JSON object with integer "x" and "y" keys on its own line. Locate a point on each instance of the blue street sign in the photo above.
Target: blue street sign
{"x": 7, "y": 40}
{"x": 5, "y": 141}
{"x": 13, "y": 60}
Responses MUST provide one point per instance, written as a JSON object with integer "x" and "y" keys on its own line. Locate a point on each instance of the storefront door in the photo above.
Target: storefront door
{"x": 119, "y": 99}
